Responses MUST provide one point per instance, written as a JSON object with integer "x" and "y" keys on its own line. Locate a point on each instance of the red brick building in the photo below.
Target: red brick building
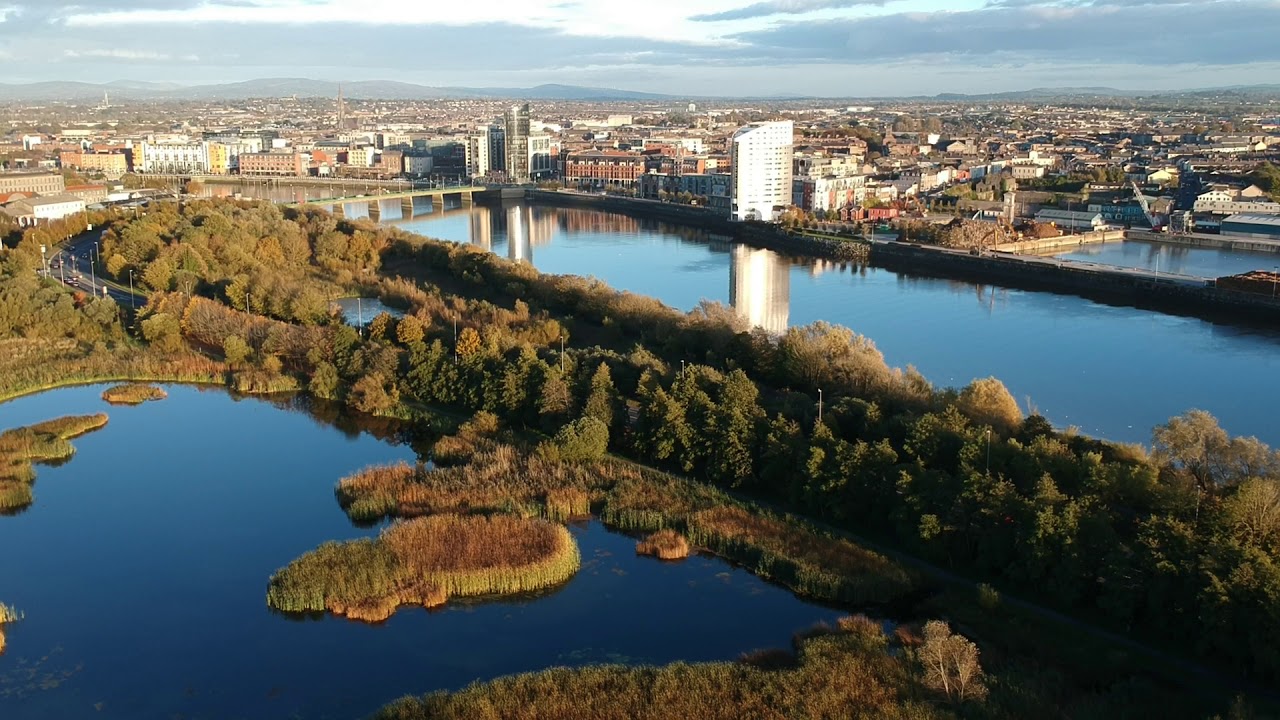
{"x": 598, "y": 168}
{"x": 280, "y": 164}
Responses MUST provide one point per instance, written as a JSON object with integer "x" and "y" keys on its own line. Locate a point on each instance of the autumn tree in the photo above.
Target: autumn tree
{"x": 409, "y": 331}
{"x": 988, "y": 402}
{"x": 469, "y": 342}
{"x": 951, "y": 663}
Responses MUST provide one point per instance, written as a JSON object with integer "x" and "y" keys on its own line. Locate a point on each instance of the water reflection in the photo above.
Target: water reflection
{"x": 1172, "y": 258}
{"x": 760, "y": 288}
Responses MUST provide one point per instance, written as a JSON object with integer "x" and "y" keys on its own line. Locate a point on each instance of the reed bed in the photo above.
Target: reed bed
{"x": 7, "y": 615}
{"x": 811, "y": 563}
{"x": 34, "y": 365}
{"x": 424, "y": 562}
{"x": 665, "y": 545}
{"x": 838, "y": 673}
{"x": 133, "y": 394}
{"x": 500, "y": 478}
{"x": 42, "y": 442}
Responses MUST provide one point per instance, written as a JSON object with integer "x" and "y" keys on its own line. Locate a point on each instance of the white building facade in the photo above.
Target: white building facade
{"x": 761, "y": 169}
{"x": 175, "y": 158}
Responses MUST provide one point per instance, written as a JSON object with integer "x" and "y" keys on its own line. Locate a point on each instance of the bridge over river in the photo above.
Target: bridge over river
{"x": 381, "y": 202}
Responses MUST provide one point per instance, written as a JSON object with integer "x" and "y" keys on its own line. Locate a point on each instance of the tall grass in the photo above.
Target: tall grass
{"x": 840, "y": 672}
{"x": 7, "y": 615}
{"x": 133, "y": 394}
{"x": 664, "y": 545}
{"x": 499, "y": 478}
{"x": 35, "y": 365}
{"x": 42, "y": 442}
{"x": 424, "y": 562}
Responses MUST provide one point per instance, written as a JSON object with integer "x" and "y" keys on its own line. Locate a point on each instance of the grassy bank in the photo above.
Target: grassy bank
{"x": 30, "y": 366}
{"x": 133, "y": 394}
{"x": 22, "y": 447}
{"x": 842, "y": 672}
{"x": 664, "y": 545}
{"x": 424, "y": 562}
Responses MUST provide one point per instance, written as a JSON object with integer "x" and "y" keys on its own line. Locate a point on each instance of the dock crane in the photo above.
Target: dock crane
{"x": 1157, "y": 223}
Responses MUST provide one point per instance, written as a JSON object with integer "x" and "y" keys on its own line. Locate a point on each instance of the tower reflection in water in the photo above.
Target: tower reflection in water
{"x": 760, "y": 288}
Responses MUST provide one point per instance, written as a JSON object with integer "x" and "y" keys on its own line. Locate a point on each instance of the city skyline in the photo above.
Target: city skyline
{"x": 833, "y": 48}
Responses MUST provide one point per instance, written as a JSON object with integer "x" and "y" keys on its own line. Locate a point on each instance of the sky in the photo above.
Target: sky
{"x": 839, "y": 48}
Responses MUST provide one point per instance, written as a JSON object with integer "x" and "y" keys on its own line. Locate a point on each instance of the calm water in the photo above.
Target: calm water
{"x": 142, "y": 570}
{"x": 358, "y": 311}
{"x": 1113, "y": 371}
{"x": 1171, "y": 258}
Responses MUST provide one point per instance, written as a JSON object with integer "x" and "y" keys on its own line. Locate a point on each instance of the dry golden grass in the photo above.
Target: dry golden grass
{"x": 424, "y": 562}
{"x": 665, "y": 545}
{"x": 839, "y": 673}
{"x": 499, "y": 478}
{"x": 41, "y": 442}
{"x": 133, "y": 394}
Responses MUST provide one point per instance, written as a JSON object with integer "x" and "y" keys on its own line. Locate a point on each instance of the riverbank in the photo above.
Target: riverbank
{"x": 763, "y": 235}
{"x": 1140, "y": 288}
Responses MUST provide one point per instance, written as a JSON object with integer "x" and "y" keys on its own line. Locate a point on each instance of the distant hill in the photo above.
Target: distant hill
{"x": 392, "y": 90}
{"x": 301, "y": 87}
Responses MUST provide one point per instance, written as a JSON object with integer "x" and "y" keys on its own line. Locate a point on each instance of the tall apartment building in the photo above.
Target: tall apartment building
{"x": 761, "y": 169}
{"x": 497, "y": 147}
{"x": 40, "y": 183}
{"x": 478, "y": 162}
{"x": 516, "y": 119}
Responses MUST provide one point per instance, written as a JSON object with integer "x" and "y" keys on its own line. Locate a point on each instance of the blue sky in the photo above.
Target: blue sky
{"x": 695, "y": 47}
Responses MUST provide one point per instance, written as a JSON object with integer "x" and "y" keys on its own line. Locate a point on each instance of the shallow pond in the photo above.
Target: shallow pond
{"x": 142, "y": 570}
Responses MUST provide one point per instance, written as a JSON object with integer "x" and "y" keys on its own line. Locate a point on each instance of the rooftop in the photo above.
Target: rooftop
{"x": 1253, "y": 219}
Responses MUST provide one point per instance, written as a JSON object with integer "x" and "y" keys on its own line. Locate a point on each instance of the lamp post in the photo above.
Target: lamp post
{"x": 1275, "y": 274}
{"x": 988, "y": 451}
{"x": 562, "y": 354}
{"x": 132, "y": 302}
{"x": 93, "y": 274}
{"x": 819, "y": 406}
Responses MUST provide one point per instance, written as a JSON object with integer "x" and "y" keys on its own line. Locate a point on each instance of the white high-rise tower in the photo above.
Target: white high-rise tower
{"x": 761, "y": 155}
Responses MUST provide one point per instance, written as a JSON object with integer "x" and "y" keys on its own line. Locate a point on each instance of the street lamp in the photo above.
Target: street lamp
{"x": 132, "y": 302}
{"x": 988, "y": 451}
{"x": 819, "y": 406}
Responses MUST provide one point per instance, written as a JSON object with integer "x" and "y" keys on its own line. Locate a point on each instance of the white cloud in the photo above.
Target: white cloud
{"x": 117, "y": 54}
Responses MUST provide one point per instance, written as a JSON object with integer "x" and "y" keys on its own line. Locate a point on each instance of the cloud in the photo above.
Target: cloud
{"x": 1219, "y": 33}
{"x": 784, "y": 7}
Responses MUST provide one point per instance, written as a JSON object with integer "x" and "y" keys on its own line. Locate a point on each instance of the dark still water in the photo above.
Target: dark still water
{"x": 1112, "y": 371}
{"x": 1173, "y": 258}
{"x": 142, "y": 570}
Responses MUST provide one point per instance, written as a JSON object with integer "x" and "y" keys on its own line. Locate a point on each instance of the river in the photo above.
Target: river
{"x": 1114, "y": 371}
{"x": 142, "y": 570}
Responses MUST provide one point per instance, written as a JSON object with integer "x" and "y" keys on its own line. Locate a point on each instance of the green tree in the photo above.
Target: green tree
{"x": 988, "y": 402}
{"x": 582, "y": 440}
{"x": 602, "y": 399}
{"x": 236, "y": 350}
{"x": 324, "y": 382}
{"x": 163, "y": 332}
{"x": 409, "y": 331}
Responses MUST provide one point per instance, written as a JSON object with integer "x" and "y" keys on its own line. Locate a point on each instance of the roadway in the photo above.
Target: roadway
{"x": 70, "y": 264}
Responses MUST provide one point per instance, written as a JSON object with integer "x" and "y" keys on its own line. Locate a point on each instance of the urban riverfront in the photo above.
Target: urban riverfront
{"x": 1114, "y": 371}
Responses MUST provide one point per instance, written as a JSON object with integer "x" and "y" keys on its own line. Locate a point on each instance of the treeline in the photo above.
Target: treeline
{"x": 1180, "y": 546}
{"x": 246, "y": 254}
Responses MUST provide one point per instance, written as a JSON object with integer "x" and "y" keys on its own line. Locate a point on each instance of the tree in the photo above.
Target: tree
{"x": 162, "y": 331}
{"x": 988, "y": 402}
{"x": 324, "y": 383}
{"x": 603, "y": 397}
{"x": 380, "y": 326}
{"x": 235, "y": 349}
{"x": 1193, "y": 444}
{"x": 469, "y": 342}
{"x": 371, "y": 395}
{"x": 1254, "y": 512}
{"x": 951, "y": 663}
{"x": 409, "y": 331}
{"x": 582, "y": 440}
